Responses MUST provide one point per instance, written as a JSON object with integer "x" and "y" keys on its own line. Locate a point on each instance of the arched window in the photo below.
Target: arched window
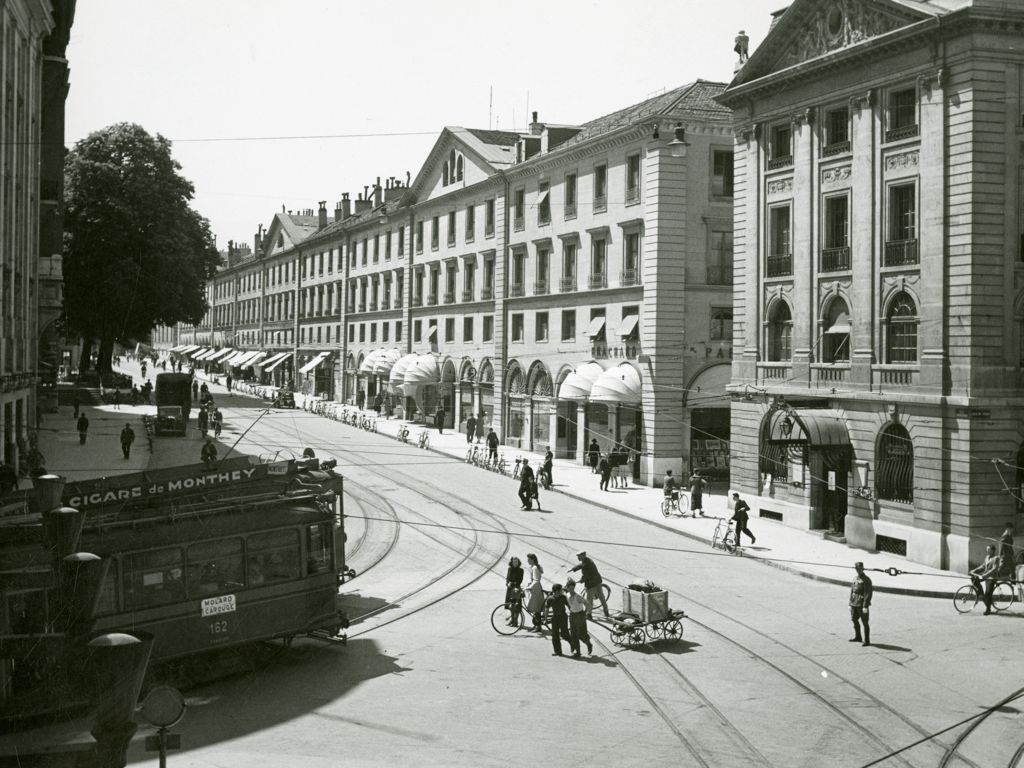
{"x": 835, "y": 338}
{"x": 444, "y": 175}
{"x": 901, "y": 336}
{"x": 458, "y": 168}
{"x": 894, "y": 475}
{"x": 780, "y": 333}
{"x": 451, "y": 165}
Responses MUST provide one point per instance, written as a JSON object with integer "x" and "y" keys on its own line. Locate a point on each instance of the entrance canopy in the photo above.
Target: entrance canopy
{"x": 367, "y": 365}
{"x": 819, "y": 428}
{"x": 620, "y": 384}
{"x": 423, "y": 372}
{"x": 314, "y": 362}
{"x": 577, "y": 385}
{"x": 397, "y": 377}
{"x": 385, "y": 361}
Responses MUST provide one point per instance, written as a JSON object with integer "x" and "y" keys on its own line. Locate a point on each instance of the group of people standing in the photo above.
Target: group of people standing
{"x": 612, "y": 466}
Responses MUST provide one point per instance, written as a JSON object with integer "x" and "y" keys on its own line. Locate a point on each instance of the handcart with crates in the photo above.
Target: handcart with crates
{"x": 645, "y": 616}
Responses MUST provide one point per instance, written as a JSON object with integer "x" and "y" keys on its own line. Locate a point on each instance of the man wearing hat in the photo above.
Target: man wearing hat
{"x": 526, "y": 485}
{"x": 860, "y": 602}
{"x": 592, "y": 581}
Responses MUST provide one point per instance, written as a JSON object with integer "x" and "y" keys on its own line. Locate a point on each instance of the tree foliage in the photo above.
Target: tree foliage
{"x": 136, "y": 255}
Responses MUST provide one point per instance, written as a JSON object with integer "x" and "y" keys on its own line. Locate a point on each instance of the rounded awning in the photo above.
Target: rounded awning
{"x": 707, "y": 390}
{"x": 424, "y": 371}
{"x": 367, "y": 365}
{"x": 385, "y": 361}
{"x": 820, "y": 427}
{"x": 577, "y": 385}
{"x": 620, "y": 384}
{"x": 398, "y": 370}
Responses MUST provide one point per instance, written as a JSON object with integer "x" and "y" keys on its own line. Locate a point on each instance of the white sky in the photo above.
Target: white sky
{"x": 228, "y": 69}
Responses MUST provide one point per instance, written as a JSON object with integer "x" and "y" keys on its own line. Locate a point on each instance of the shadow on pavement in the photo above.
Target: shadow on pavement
{"x": 359, "y": 606}
{"x": 887, "y": 647}
{"x": 675, "y": 647}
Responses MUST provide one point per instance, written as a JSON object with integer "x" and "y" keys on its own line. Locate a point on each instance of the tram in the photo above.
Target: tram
{"x": 203, "y": 559}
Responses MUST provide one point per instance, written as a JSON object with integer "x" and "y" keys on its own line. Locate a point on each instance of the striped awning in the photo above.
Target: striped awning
{"x": 220, "y": 354}
{"x": 620, "y": 384}
{"x": 368, "y": 362}
{"x": 276, "y": 358}
{"x": 284, "y": 356}
{"x": 577, "y": 385}
{"x": 385, "y": 361}
{"x": 397, "y": 377}
{"x": 314, "y": 362}
{"x": 423, "y": 371}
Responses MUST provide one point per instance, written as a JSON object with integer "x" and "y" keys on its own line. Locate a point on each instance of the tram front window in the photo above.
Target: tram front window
{"x": 214, "y": 567}
{"x": 318, "y": 548}
{"x": 272, "y": 556}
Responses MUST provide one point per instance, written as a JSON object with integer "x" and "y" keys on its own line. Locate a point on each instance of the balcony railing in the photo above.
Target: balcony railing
{"x": 836, "y": 148}
{"x": 515, "y": 290}
{"x": 903, "y": 132}
{"x": 449, "y": 297}
{"x": 385, "y": 303}
{"x": 719, "y": 275}
{"x": 570, "y": 210}
{"x": 518, "y": 222}
{"x": 600, "y": 202}
{"x": 896, "y": 374}
{"x": 487, "y": 293}
{"x": 830, "y": 373}
{"x": 398, "y": 302}
{"x": 417, "y": 301}
{"x": 632, "y": 194}
{"x": 899, "y": 253}
{"x": 373, "y": 306}
{"x": 629, "y": 277}
{"x": 835, "y": 259}
{"x": 567, "y": 284}
{"x": 779, "y": 265}
{"x": 451, "y": 238}
{"x": 597, "y": 280}
{"x": 780, "y": 162}
{"x": 467, "y": 295}
{"x": 540, "y": 287}
{"x": 432, "y": 300}
{"x": 774, "y": 370}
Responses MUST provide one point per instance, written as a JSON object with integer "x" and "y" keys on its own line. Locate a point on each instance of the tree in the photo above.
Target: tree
{"x": 135, "y": 254}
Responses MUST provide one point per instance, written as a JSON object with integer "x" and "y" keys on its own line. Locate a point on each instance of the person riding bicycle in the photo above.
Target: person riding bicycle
{"x": 670, "y": 487}
{"x": 218, "y": 422}
{"x": 546, "y": 467}
{"x": 988, "y": 570}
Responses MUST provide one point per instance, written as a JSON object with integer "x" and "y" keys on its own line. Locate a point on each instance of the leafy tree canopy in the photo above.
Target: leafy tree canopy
{"x": 136, "y": 255}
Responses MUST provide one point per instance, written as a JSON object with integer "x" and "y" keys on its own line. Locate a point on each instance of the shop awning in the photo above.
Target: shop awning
{"x": 179, "y": 348}
{"x": 397, "y": 377}
{"x": 207, "y": 354}
{"x": 220, "y": 354}
{"x": 628, "y": 325}
{"x": 257, "y": 358}
{"x": 245, "y": 359}
{"x": 620, "y": 384}
{"x": 268, "y": 366}
{"x": 595, "y": 327}
{"x": 423, "y": 371}
{"x": 385, "y": 361}
{"x": 196, "y": 355}
{"x": 577, "y": 385}
{"x": 367, "y": 365}
{"x": 238, "y": 354}
{"x": 265, "y": 364}
{"x": 841, "y": 324}
{"x": 822, "y": 427}
{"x": 314, "y": 362}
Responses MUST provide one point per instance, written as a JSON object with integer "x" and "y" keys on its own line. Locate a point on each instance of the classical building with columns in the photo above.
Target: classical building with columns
{"x": 879, "y": 276}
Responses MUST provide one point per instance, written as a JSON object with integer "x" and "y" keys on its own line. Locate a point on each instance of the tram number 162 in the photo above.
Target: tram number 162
{"x": 219, "y": 629}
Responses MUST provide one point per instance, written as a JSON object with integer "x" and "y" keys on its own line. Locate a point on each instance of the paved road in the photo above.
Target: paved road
{"x": 764, "y": 674}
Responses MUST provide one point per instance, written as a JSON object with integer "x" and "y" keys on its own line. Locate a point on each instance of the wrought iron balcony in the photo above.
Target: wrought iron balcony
{"x": 385, "y": 303}
{"x": 780, "y": 162}
{"x": 540, "y": 287}
{"x": 903, "y": 132}
{"x": 632, "y": 194}
{"x": 835, "y": 259}
{"x": 487, "y": 293}
{"x": 516, "y": 290}
{"x": 449, "y": 297}
{"x": 899, "y": 253}
{"x": 467, "y": 295}
{"x": 398, "y": 302}
{"x": 570, "y": 210}
{"x": 835, "y": 148}
{"x": 597, "y": 280}
{"x": 779, "y": 265}
{"x": 417, "y": 301}
{"x": 567, "y": 284}
{"x": 629, "y": 277}
{"x": 432, "y": 300}
{"x": 518, "y": 222}
{"x": 600, "y": 203}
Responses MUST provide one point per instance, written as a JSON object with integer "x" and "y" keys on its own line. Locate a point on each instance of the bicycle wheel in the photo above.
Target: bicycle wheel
{"x": 683, "y": 505}
{"x": 506, "y": 621}
{"x": 666, "y": 507}
{"x": 729, "y": 542}
{"x": 965, "y": 599}
{"x": 715, "y": 539}
{"x": 1002, "y": 596}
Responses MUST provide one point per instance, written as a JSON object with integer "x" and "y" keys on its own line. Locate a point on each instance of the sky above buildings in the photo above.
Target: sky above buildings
{"x": 272, "y": 103}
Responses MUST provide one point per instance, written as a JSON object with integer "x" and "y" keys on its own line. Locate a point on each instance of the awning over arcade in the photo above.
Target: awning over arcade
{"x": 620, "y": 384}
{"x": 424, "y": 371}
{"x": 314, "y": 362}
{"x": 397, "y": 377}
{"x": 270, "y": 362}
{"x": 577, "y": 385}
{"x": 385, "y": 361}
{"x": 245, "y": 359}
{"x": 179, "y": 348}
{"x": 367, "y": 365}
{"x": 199, "y": 352}
{"x": 220, "y": 354}
{"x": 284, "y": 356}
{"x": 822, "y": 427}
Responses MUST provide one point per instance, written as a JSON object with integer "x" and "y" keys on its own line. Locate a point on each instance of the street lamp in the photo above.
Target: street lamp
{"x": 679, "y": 144}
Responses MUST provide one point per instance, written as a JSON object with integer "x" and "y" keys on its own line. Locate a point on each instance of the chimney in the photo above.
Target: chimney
{"x": 322, "y": 215}
{"x": 378, "y": 194}
{"x": 394, "y": 190}
{"x": 362, "y": 203}
{"x": 258, "y": 240}
{"x": 346, "y": 206}
{"x": 337, "y": 211}
{"x": 535, "y": 127}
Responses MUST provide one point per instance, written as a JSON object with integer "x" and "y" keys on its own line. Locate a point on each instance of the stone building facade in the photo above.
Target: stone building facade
{"x": 879, "y": 278}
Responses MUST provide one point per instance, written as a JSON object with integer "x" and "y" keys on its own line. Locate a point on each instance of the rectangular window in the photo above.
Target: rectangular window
{"x": 213, "y": 566}
{"x": 373, "y": 332}
{"x": 596, "y": 329}
{"x": 780, "y": 149}
{"x": 435, "y": 233}
{"x": 630, "y": 259}
{"x": 398, "y": 330}
{"x": 489, "y": 218}
{"x": 835, "y": 254}
{"x": 633, "y": 178}
{"x": 417, "y": 330}
{"x": 720, "y": 257}
{"x": 385, "y": 330}
{"x": 543, "y": 203}
{"x": 435, "y": 282}
{"x": 568, "y": 325}
{"x": 365, "y": 245}
{"x": 488, "y": 287}
{"x": 153, "y": 578}
{"x": 836, "y": 129}
{"x": 362, "y": 331}
{"x": 376, "y": 249}
{"x": 721, "y": 173}
{"x": 449, "y": 330}
{"x": 543, "y": 260}
{"x": 598, "y": 263}
{"x": 901, "y": 114}
{"x": 387, "y": 245}
{"x": 541, "y": 326}
{"x": 419, "y": 237}
{"x": 568, "y": 281}
{"x": 518, "y": 274}
{"x": 570, "y": 196}
{"x": 470, "y": 223}
{"x": 517, "y": 327}
{"x": 451, "y": 228}
{"x": 901, "y": 242}
{"x": 467, "y": 329}
{"x": 468, "y": 280}
{"x": 401, "y": 241}
{"x": 780, "y": 257}
{"x": 600, "y": 188}
{"x": 272, "y": 556}
{"x": 351, "y": 333}
{"x": 721, "y": 323}
{"x": 519, "y": 209}
{"x": 488, "y": 332}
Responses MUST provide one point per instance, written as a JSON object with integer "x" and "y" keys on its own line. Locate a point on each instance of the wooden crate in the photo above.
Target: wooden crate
{"x": 649, "y": 606}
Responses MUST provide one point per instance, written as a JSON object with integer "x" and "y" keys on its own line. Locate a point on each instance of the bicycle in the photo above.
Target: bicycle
{"x": 403, "y": 434}
{"x": 424, "y": 439}
{"x": 519, "y": 464}
{"x": 676, "y": 504}
{"x": 471, "y": 455}
{"x": 1003, "y": 596}
{"x": 724, "y": 539}
{"x": 500, "y": 466}
{"x": 508, "y": 618}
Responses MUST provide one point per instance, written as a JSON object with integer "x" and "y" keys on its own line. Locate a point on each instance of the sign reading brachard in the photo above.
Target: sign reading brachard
{"x": 141, "y": 485}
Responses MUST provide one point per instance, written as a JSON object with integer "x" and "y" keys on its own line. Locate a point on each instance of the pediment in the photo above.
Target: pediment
{"x": 460, "y": 158}
{"x": 809, "y": 29}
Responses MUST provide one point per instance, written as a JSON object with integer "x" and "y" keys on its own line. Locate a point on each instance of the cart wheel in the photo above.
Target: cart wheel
{"x": 673, "y": 630}
{"x": 637, "y": 636}
{"x": 618, "y": 638}
{"x": 653, "y": 630}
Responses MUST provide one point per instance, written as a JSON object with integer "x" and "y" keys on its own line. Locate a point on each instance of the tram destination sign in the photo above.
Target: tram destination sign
{"x": 212, "y": 606}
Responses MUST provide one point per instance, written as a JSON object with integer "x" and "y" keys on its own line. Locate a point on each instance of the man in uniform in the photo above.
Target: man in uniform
{"x": 860, "y": 602}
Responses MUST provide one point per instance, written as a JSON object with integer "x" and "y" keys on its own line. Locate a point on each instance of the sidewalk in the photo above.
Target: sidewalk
{"x": 779, "y": 546}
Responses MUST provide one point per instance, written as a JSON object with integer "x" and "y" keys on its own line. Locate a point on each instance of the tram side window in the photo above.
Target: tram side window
{"x": 318, "y": 548}
{"x": 25, "y": 612}
{"x": 153, "y": 578}
{"x": 273, "y": 556}
{"x": 214, "y": 567}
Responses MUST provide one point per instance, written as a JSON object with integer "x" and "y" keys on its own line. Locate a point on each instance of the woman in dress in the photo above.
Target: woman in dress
{"x": 514, "y": 590}
{"x": 534, "y": 591}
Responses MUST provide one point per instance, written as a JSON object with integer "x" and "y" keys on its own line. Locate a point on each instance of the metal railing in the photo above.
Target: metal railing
{"x": 600, "y": 202}
{"x": 836, "y": 148}
{"x": 632, "y": 194}
{"x": 516, "y": 290}
{"x": 540, "y": 287}
{"x": 903, "y": 132}
{"x": 467, "y": 294}
{"x": 835, "y": 259}
{"x": 629, "y": 277}
{"x": 432, "y": 300}
{"x": 449, "y": 297}
{"x": 487, "y": 293}
{"x": 900, "y": 252}
{"x": 597, "y": 280}
{"x": 417, "y": 301}
{"x": 567, "y": 284}
{"x": 570, "y": 210}
{"x": 780, "y": 162}
{"x": 779, "y": 264}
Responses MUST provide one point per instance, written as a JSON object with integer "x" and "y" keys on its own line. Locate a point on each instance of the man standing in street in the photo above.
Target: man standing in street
{"x": 1006, "y": 556}
{"x": 526, "y": 485}
{"x": 439, "y": 419}
{"x": 740, "y": 515}
{"x": 988, "y": 571}
{"x": 470, "y": 427}
{"x": 558, "y": 607}
{"x": 577, "y": 620}
{"x": 697, "y": 486}
{"x": 860, "y": 602}
{"x": 127, "y": 438}
{"x": 83, "y": 428}
{"x": 492, "y": 446}
{"x": 592, "y": 581}
{"x": 227, "y": 382}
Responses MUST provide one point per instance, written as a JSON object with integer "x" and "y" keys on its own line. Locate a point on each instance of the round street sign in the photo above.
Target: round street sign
{"x": 164, "y": 706}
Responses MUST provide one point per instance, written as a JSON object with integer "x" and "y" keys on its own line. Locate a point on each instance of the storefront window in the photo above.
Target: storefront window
{"x": 542, "y": 411}
{"x": 516, "y": 418}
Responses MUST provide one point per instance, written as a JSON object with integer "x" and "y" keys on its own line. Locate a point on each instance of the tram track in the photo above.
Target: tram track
{"x": 972, "y": 728}
{"x": 372, "y": 547}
